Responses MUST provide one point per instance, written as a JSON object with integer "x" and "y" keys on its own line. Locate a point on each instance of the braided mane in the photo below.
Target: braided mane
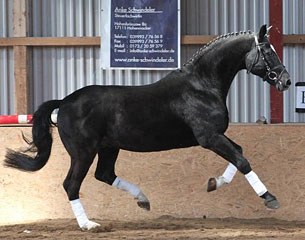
{"x": 199, "y": 52}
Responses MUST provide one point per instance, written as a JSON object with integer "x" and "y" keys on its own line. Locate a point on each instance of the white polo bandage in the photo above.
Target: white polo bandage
{"x": 256, "y": 183}
{"x": 229, "y": 173}
{"x": 79, "y": 213}
{"x": 227, "y": 176}
{"x": 126, "y": 186}
{"x": 220, "y": 181}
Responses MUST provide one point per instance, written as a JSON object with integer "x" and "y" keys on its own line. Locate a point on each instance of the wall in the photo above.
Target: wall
{"x": 6, "y": 59}
{"x": 294, "y": 55}
{"x": 58, "y": 71}
{"x": 174, "y": 181}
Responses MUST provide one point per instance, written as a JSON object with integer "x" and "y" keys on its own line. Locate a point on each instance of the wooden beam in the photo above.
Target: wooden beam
{"x": 84, "y": 41}
{"x": 196, "y": 39}
{"x": 96, "y": 41}
{"x": 21, "y": 57}
{"x": 21, "y": 73}
{"x": 50, "y": 41}
{"x": 20, "y": 16}
{"x": 294, "y": 39}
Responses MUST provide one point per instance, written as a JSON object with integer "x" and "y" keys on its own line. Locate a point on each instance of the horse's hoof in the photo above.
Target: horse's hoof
{"x": 90, "y": 225}
{"x": 143, "y": 201}
{"x": 144, "y": 205}
{"x": 270, "y": 201}
{"x": 273, "y": 204}
{"x": 212, "y": 185}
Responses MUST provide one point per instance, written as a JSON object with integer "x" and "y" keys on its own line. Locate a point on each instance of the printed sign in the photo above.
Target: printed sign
{"x": 140, "y": 34}
{"x": 300, "y": 97}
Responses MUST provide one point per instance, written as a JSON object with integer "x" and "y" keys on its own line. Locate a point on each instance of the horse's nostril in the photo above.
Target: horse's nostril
{"x": 288, "y": 82}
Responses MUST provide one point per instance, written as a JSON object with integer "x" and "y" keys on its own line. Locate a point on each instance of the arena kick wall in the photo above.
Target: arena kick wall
{"x": 175, "y": 181}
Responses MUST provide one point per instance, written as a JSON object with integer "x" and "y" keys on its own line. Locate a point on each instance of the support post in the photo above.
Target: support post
{"x": 22, "y": 58}
{"x": 276, "y": 38}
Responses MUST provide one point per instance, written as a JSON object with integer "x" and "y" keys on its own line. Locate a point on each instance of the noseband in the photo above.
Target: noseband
{"x": 271, "y": 75}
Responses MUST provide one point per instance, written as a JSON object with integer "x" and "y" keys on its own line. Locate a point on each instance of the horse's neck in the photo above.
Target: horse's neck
{"x": 220, "y": 62}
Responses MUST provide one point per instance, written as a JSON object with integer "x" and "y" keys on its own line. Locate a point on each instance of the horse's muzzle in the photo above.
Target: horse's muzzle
{"x": 283, "y": 81}
{"x": 279, "y": 77}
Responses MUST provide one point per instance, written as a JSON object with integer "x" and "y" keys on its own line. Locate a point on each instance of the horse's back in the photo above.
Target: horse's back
{"x": 138, "y": 118}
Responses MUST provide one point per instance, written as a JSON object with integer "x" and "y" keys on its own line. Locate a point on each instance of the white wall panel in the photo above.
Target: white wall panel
{"x": 65, "y": 18}
{"x": 6, "y": 60}
{"x": 7, "y": 104}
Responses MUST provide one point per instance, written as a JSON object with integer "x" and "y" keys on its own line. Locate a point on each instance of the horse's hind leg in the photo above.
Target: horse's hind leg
{"x": 105, "y": 172}
{"x": 77, "y": 172}
{"x": 227, "y": 176}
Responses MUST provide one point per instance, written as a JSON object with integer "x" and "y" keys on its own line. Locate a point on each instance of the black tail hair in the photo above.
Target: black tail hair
{"x": 41, "y": 143}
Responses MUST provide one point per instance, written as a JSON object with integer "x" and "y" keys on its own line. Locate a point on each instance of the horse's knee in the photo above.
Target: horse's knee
{"x": 243, "y": 166}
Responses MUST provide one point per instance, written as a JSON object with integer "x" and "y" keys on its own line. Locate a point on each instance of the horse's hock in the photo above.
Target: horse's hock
{"x": 174, "y": 181}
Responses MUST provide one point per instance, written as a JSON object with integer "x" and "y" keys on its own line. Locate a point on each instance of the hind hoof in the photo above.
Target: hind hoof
{"x": 144, "y": 205}
{"x": 143, "y": 201}
{"x": 212, "y": 185}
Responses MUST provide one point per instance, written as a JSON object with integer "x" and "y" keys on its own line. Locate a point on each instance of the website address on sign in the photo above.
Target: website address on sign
{"x": 145, "y": 60}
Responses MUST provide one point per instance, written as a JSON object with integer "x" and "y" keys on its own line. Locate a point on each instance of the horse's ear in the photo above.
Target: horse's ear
{"x": 268, "y": 30}
{"x": 262, "y": 33}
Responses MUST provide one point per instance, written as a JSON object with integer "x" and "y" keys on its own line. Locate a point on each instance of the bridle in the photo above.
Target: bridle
{"x": 271, "y": 75}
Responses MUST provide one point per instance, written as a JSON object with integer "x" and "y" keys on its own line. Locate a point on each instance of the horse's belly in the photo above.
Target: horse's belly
{"x": 152, "y": 140}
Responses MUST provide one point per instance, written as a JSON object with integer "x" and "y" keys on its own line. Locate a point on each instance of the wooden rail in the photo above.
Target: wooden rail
{"x": 294, "y": 39}
{"x": 96, "y": 41}
{"x": 50, "y": 41}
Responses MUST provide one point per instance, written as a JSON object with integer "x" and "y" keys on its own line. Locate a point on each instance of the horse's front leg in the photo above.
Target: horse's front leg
{"x": 227, "y": 177}
{"x": 221, "y": 145}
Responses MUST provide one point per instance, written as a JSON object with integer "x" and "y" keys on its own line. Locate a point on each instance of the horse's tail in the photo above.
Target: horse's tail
{"x": 41, "y": 143}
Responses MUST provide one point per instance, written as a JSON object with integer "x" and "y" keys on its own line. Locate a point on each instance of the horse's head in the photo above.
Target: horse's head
{"x": 263, "y": 61}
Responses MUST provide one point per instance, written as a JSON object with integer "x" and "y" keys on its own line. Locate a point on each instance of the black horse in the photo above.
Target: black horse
{"x": 185, "y": 108}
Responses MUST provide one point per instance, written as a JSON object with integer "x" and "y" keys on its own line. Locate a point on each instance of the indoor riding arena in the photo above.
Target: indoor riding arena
{"x": 50, "y": 49}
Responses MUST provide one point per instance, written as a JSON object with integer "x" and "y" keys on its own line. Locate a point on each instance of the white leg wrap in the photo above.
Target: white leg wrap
{"x": 126, "y": 186}
{"x": 256, "y": 183}
{"x": 220, "y": 181}
{"x": 79, "y": 212}
{"x": 229, "y": 173}
{"x": 227, "y": 176}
